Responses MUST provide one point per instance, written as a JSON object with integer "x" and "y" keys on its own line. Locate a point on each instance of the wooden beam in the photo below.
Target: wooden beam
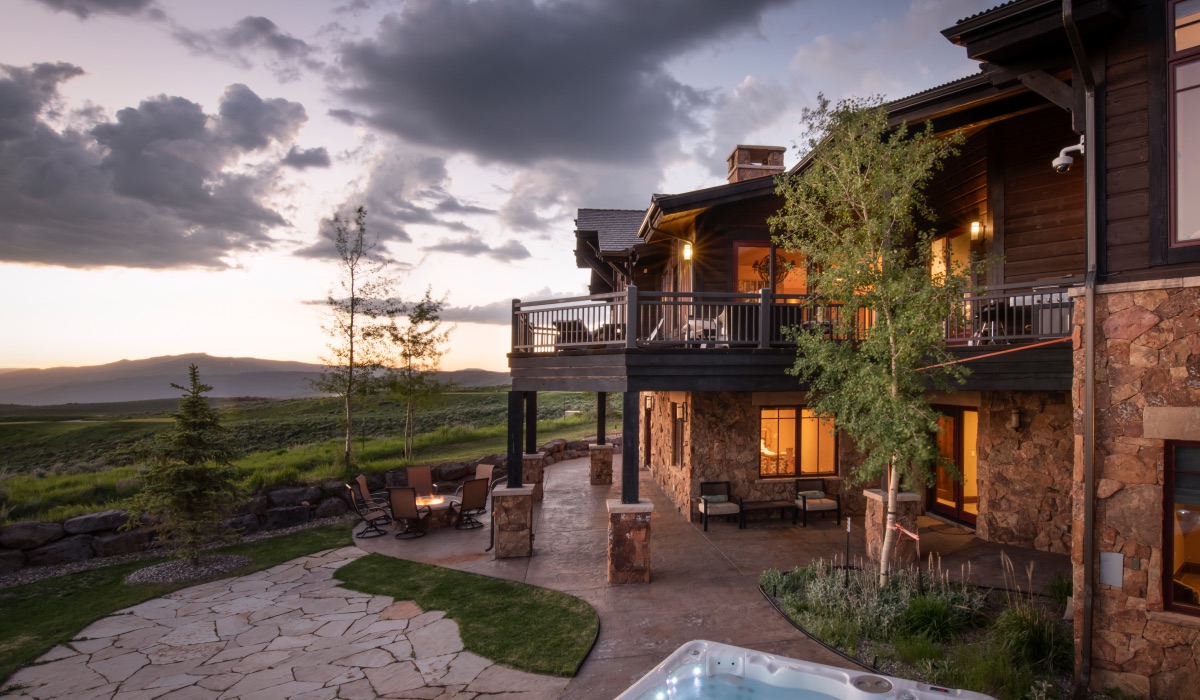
{"x": 531, "y": 414}
{"x": 515, "y": 460}
{"x": 1049, "y": 87}
{"x": 629, "y": 447}
{"x": 601, "y": 416}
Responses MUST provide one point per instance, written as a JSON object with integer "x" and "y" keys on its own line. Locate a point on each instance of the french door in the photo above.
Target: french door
{"x": 956, "y": 495}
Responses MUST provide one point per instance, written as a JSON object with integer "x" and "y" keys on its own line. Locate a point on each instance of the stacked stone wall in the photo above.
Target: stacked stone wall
{"x": 1024, "y": 475}
{"x": 1148, "y": 357}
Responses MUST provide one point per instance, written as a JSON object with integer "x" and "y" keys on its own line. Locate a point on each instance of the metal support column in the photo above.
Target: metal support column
{"x": 514, "y": 439}
{"x": 601, "y": 416}
{"x": 531, "y": 415}
{"x": 629, "y": 447}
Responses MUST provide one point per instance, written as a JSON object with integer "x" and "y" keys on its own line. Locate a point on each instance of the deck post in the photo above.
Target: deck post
{"x": 631, "y": 319}
{"x": 516, "y": 340}
{"x": 531, "y": 416}
{"x": 629, "y": 447}
{"x": 764, "y": 318}
{"x": 515, "y": 454}
{"x": 601, "y": 416}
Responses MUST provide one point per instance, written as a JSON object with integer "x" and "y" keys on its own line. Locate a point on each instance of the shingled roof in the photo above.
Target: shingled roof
{"x": 616, "y": 229}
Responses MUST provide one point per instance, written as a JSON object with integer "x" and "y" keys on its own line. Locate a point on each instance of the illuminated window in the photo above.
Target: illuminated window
{"x": 1184, "y": 72}
{"x": 752, "y": 269}
{"x": 794, "y": 441}
{"x": 1181, "y": 550}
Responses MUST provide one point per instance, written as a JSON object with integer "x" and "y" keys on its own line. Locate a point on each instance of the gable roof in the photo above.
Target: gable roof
{"x": 616, "y": 229}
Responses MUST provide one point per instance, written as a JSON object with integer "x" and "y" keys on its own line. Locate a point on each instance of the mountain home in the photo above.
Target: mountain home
{"x": 1078, "y": 429}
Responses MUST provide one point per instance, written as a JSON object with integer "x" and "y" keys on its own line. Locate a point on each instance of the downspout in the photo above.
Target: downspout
{"x": 1084, "y": 71}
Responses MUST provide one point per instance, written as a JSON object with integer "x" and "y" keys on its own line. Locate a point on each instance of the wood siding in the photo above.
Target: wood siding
{"x": 958, "y": 192}
{"x": 1127, "y": 170}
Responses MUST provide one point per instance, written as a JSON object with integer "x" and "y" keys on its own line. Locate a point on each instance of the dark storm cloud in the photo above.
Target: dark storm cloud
{"x": 519, "y": 81}
{"x": 286, "y": 55}
{"x": 86, "y": 8}
{"x": 150, "y": 189}
{"x": 474, "y": 246}
{"x": 301, "y": 158}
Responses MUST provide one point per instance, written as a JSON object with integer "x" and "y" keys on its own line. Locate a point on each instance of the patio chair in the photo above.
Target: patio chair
{"x": 474, "y": 502}
{"x": 715, "y": 500}
{"x": 364, "y": 492}
{"x": 482, "y": 471}
{"x": 811, "y": 497}
{"x": 411, "y": 518}
{"x": 421, "y": 479}
{"x": 374, "y": 515}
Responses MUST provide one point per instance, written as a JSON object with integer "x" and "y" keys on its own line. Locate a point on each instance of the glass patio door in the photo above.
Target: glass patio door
{"x": 956, "y": 439}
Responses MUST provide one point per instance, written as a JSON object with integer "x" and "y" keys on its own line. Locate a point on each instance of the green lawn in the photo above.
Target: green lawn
{"x": 529, "y": 628}
{"x": 39, "y": 615}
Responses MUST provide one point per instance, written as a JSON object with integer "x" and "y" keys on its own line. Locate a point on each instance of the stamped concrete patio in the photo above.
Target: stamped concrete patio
{"x": 704, "y": 585}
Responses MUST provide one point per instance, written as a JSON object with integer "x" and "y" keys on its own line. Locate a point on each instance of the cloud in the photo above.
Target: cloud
{"x": 83, "y": 9}
{"x": 753, "y": 104}
{"x": 473, "y": 246}
{"x": 162, "y": 185}
{"x": 301, "y": 158}
{"x": 497, "y": 312}
{"x": 519, "y": 81}
{"x": 287, "y": 56}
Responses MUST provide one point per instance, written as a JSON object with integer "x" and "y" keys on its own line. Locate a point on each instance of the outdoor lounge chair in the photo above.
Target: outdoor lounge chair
{"x": 811, "y": 497}
{"x": 474, "y": 502}
{"x": 716, "y": 500}
{"x": 364, "y": 492}
{"x": 482, "y": 471}
{"x": 409, "y": 517}
{"x": 374, "y": 515}
{"x": 421, "y": 479}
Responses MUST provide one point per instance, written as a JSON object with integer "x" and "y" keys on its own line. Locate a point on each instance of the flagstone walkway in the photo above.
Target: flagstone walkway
{"x": 286, "y": 632}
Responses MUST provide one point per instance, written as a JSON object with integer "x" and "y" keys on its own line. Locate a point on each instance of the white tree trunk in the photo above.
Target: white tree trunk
{"x": 888, "y": 551}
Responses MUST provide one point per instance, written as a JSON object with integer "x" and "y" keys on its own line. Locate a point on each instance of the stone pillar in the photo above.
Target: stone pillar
{"x": 512, "y": 517}
{"x": 532, "y": 467}
{"x": 909, "y": 507}
{"x": 629, "y": 541}
{"x": 602, "y": 459}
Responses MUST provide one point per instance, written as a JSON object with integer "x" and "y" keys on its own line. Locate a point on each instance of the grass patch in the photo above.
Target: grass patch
{"x": 529, "y": 628}
{"x": 39, "y": 615}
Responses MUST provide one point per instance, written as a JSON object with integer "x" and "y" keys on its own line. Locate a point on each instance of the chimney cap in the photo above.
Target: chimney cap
{"x": 747, "y": 162}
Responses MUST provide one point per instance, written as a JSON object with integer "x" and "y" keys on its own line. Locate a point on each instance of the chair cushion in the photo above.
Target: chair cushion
{"x": 811, "y": 494}
{"x": 726, "y": 508}
{"x": 716, "y": 498}
{"x": 817, "y": 504}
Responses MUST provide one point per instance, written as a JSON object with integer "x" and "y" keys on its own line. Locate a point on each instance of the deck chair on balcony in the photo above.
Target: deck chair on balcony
{"x": 811, "y": 497}
{"x": 411, "y": 519}
{"x": 374, "y": 515}
{"x": 473, "y": 503}
{"x": 715, "y": 500}
{"x": 421, "y": 479}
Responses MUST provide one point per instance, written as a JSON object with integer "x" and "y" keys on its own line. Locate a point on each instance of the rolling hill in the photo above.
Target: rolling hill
{"x": 139, "y": 380}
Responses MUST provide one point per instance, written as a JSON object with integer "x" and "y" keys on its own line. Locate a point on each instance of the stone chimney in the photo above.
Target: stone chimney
{"x": 749, "y": 162}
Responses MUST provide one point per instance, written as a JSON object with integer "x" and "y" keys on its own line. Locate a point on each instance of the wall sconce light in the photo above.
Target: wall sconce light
{"x": 976, "y": 230}
{"x": 1014, "y": 419}
{"x": 681, "y": 412}
{"x": 687, "y": 251}
{"x": 649, "y": 401}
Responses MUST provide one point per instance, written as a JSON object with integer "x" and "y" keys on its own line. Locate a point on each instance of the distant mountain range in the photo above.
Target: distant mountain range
{"x": 139, "y": 380}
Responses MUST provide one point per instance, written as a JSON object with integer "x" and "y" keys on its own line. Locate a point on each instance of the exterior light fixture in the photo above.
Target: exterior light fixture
{"x": 1014, "y": 419}
{"x": 681, "y": 412}
{"x": 687, "y": 251}
{"x": 976, "y": 230}
{"x": 649, "y": 401}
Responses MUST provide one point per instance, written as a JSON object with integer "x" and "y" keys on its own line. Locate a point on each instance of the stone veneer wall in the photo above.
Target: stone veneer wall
{"x": 721, "y": 438}
{"x": 1148, "y": 355}
{"x": 1024, "y": 475}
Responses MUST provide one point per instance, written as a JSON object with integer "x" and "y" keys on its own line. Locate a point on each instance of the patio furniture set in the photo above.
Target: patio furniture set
{"x": 415, "y": 509}
{"x": 810, "y": 497}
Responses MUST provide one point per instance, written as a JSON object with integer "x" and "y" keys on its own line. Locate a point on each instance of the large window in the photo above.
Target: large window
{"x": 1184, "y": 74}
{"x": 794, "y": 441}
{"x": 1181, "y": 540}
{"x": 754, "y": 268}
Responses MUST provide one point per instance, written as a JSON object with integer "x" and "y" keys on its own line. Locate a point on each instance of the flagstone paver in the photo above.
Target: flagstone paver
{"x": 287, "y": 632}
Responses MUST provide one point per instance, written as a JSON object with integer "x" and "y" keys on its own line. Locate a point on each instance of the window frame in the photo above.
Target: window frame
{"x": 797, "y": 473}
{"x": 1168, "y": 531}
{"x": 1164, "y": 248}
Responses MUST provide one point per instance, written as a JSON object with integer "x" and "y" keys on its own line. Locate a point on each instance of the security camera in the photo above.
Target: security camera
{"x": 1064, "y": 162}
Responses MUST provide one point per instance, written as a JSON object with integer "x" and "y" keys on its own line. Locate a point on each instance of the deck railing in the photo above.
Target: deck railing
{"x": 634, "y": 319}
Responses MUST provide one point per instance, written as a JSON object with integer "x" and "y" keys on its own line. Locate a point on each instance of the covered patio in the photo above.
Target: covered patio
{"x": 704, "y": 585}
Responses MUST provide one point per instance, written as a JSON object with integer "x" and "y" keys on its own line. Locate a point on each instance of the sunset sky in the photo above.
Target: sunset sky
{"x": 165, "y": 165}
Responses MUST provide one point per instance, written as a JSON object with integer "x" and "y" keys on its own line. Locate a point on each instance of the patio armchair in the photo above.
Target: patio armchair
{"x": 715, "y": 500}
{"x": 473, "y": 503}
{"x": 482, "y": 471}
{"x": 411, "y": 519}
{"x": 811, "y": 497}
{"x": 374, "y": 515}
{"x": 364, "y": 492}
{"x": 421, "y": 479}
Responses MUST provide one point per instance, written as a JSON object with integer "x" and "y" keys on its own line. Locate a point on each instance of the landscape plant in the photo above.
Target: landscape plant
{"x": 190, "y": 486}
{"x": 854, "y": 210}
{"x": 419, "y": 342}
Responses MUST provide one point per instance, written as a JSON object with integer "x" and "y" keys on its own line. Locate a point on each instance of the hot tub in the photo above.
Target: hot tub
{"x": 712, "y": 671}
